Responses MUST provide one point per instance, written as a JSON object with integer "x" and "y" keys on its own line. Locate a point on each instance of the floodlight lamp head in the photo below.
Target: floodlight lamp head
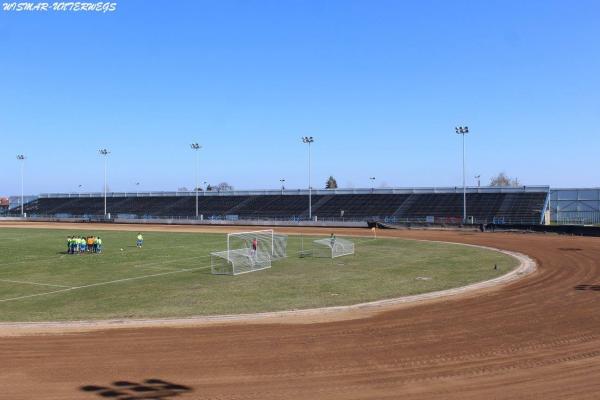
{"x": 195, "y": 146}
{"x": 20, "y": 157}
{"x": 308, "y": 139}
{"x": 461, "y": 130}
{"x": 104, "y": 152}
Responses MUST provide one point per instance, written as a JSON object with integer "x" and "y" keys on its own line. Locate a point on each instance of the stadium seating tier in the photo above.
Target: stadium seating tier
{"x": 512, "y": 207}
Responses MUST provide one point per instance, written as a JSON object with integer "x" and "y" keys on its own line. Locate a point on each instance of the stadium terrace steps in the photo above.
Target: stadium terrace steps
{"x": 316, "y": 206}
{"x": 520, "y": 206}
{"x": 406, "y": 205}
{"x": 359, "y": 206}
{"x": 275, "y": 206}
{"x": 514, "y": 207}
{"x": 235, "y": 209}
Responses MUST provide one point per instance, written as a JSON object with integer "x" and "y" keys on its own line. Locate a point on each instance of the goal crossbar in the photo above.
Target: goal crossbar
{"x": 248, "y": 252}
{"x": 250, "y": 236}
{"x": 333, "y": 248}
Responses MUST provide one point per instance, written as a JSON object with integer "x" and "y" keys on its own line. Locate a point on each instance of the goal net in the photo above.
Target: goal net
{"x": 248, "y": 252}
{"x": 333, "y": 247}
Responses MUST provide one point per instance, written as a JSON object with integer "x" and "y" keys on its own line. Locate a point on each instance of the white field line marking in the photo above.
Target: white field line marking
{"x": 149, "y": 266}
{"x": 146, "y": 249}
{"x": 158, "y": 264}
{"x": 103, "y": 283}
{"x": 34, "y": 260}
{"x": 168, "y": 260}
{"x": 34, "y": 295}
{"x": 43, "y": 260}
{"x": 156, "y": 267}
{"x": 365, "y": 240}
{"x": 33, "y": 283}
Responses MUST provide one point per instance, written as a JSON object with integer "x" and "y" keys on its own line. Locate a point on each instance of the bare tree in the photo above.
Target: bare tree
{"x": 224, "y": 187}
{"x": 502, "y": 180}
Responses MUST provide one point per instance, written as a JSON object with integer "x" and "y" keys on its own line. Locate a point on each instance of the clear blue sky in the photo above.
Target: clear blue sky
{"x": 379, "y": 84}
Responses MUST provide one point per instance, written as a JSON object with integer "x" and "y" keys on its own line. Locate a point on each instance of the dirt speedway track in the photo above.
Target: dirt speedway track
{"x": 538, "y": 337}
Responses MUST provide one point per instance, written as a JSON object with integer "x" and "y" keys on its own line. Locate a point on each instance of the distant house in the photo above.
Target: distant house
{"x": 3, "y": 204}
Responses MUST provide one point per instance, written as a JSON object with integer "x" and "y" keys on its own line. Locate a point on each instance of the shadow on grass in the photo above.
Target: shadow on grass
{"x": 77, "y": 254}
{"x": 156, "y": 389}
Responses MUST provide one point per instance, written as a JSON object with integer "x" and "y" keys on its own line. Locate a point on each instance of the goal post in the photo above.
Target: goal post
{"x": 333, "y": 247}
{"x": 249, "y": 252}
{"x": 262, "y": 237}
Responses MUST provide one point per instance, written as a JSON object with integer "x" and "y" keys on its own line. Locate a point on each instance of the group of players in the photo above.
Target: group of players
{"x": 91, "y": 244}
{"x": 79, "y": 245}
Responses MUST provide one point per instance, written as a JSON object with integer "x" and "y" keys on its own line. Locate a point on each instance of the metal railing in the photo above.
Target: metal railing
{"x": 575, "y": 218}
{"x": 431, "y": 220}
{"x": 293, "y": 192}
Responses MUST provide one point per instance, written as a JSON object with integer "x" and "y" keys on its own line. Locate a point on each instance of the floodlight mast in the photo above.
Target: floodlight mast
{"x": 372, "y": 183}
{"x": 195, "y": 146}
{"x": 463, "y": 130}
{"x": 21, "y": 158}
{"x": 104, "y": 153}
{"x": 282, "y": 180}
{"x": 308, "y": 140}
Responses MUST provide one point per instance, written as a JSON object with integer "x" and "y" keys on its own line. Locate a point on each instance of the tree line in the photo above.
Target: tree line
{"x": 500, "y": 180}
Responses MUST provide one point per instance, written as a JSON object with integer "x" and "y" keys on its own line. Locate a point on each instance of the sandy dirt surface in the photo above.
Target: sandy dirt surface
{"x": 537, "y": 337}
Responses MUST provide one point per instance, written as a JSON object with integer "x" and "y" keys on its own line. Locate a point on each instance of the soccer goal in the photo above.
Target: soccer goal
{"x": 249, "y": 252}
{"x": 332, "y": 248}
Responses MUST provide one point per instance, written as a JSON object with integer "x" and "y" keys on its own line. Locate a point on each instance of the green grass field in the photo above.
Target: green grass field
{"x": 170, "y": 276}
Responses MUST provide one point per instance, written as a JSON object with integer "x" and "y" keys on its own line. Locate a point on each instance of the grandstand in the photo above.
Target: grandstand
{"x": 524, "y": 205}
